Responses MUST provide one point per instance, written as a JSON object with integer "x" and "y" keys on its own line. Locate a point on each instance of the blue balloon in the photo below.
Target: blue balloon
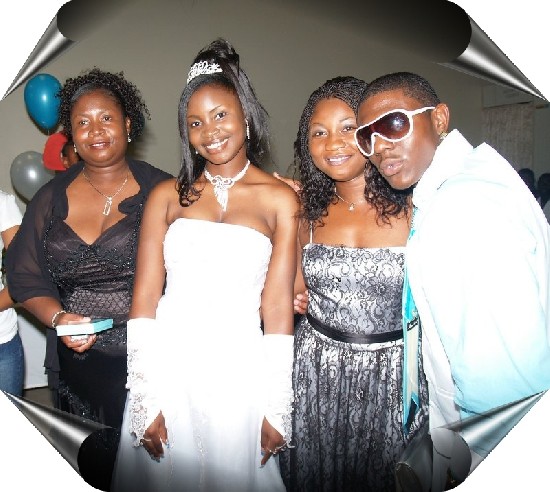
{"x": 41, "y": 100}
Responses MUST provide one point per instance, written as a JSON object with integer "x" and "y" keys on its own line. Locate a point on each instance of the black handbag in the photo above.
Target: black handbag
{"x": 413, "y": 471}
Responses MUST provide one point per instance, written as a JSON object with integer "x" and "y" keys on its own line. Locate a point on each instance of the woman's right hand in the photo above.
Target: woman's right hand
{"x": 78, "y": 344}
{"x": 300, "y": 302}
{"x": 155, "y": 435}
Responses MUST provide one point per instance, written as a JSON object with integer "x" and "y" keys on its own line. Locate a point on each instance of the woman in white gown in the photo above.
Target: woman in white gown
{"x": 210, "y": 390}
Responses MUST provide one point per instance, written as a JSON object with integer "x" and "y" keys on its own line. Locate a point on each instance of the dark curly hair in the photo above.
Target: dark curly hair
{"x": 318, "y": 189}
{"x": 125, "y": 93}
{"x": 233, "y": 78}
{"x": 543, "y": 187}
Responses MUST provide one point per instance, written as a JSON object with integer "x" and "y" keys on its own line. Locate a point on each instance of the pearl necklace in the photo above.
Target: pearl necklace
{"x": 109, "y": 199}
{"x": 222, "y": 185}
{"x": 351, "y": 207}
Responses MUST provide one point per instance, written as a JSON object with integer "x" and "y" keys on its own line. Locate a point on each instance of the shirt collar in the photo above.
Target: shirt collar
{"x": 448, "y": 160}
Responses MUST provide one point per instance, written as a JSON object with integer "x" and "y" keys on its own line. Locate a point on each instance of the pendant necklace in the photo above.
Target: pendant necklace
{"x": 109, "y": 199}
{"x": 222, "y": 185}
{"x": 351, "y": 207}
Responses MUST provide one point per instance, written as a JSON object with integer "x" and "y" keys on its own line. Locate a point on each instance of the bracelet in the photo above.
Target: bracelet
{"x": 54, "y": 318}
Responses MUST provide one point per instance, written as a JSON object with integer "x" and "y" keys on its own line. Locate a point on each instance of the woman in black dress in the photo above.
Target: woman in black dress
{"x": 74, "y": 255}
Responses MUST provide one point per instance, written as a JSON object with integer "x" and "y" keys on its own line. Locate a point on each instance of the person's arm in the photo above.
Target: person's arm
{"x": 28, "y": 279}
{"x": 146, "y": 420}
{"x": 300, "y": 293}
{"x": 300, "y": 289}
{"x": 487, "y": 287}
{"x": 150, "y": 271}
{"x": 278, "y": 318}
{"x": 8, "y": 235}
{"x": 278, "y": 290}
{"x": 5, "y": 299}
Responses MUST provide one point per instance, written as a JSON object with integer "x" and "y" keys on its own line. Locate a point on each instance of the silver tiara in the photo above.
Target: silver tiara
{"x": 202, "y": 68}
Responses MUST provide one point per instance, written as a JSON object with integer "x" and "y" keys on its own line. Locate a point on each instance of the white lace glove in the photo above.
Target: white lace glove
{"x": 279, "y": 355}
{"x": 144, "y": 359}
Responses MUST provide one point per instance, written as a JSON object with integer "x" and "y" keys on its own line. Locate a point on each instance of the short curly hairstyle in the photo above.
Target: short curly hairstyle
{"x": 125, "y": 93}
{"x": 412, "y": 85}
{"x": 318, "y": 190}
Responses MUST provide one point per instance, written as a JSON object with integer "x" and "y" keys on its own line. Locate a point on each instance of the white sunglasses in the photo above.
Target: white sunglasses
{"x": 393, "y": 126}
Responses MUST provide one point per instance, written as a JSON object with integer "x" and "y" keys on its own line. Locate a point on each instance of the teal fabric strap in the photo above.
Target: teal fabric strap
{"x": 411, "y": 330}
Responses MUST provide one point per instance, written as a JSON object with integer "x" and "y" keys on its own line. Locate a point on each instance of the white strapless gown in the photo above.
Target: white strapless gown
{"x": 213, "y": 396}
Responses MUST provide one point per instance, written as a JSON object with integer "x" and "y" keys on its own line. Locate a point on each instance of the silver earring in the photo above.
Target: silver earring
{"x": 74, "y": 147}
{"x": 196, "y": 152}
{"x": 442, "y": 135}
{"x": 129, "y": 139}
{"x": 247, "y": 130}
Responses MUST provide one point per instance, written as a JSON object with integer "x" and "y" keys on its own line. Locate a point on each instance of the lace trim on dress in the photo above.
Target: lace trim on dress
{"x": 282, "y": 422}
{"x": 143, "y": 406}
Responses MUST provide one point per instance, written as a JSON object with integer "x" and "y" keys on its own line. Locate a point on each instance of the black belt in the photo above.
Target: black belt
{"x": 339, "y": 336}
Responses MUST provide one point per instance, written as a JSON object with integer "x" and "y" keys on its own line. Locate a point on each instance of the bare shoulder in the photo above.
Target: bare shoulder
{"x": 165, "y": 186}
{"x": 163, "y": 193}
{"x": 275, "y": 191}
{"x": 163, "y": 189}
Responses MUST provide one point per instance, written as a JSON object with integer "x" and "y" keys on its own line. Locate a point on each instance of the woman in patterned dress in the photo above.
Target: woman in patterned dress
{"x": 348, "y": 428}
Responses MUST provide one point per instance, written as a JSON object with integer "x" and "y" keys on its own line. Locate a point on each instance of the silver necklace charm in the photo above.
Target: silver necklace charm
{"x": 222, "y": 185}
{"x": 351, "y": 207}
{"x": 108, "y": 199}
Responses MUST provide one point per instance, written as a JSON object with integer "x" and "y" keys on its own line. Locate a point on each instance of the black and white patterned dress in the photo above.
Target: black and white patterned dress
{"x": 348, "y": 396}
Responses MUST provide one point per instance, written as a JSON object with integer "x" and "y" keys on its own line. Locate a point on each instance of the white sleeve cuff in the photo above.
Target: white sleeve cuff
{"x": 279, "y": 357}
{"x": 144, "y": 359}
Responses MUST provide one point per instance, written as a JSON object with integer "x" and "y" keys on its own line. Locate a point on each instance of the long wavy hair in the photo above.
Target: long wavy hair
{"x": 233, "y": 78}
{"x": 319, "y": 190}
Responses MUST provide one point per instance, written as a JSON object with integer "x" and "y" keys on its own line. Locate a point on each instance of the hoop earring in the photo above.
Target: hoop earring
{"x": 247, "y": 130}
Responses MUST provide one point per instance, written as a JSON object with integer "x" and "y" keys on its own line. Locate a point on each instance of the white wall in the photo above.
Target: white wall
{"x": 287, "y": 51}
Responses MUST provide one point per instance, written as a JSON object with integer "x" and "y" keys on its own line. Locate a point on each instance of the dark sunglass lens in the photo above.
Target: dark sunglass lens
{"x": 394, "y": 125}
{"x": 364, "y": 138}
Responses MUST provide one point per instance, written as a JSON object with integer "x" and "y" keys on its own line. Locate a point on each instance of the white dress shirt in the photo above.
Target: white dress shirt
{"x": 479, "y": 273}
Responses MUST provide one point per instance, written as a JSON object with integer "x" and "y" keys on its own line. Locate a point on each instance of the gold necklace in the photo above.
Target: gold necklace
{"x": 109, "y": 199}
{"x": 351, "y": 207}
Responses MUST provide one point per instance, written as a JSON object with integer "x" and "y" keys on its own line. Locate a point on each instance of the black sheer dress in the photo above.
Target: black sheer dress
{"x": 96, "y": 280}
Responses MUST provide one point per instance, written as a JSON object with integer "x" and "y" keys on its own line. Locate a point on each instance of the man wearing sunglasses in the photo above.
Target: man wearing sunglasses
{"x": 478, "y": 256}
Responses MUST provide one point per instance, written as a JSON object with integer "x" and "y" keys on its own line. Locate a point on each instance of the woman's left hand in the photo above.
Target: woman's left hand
{"x": 271, "y": 441}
